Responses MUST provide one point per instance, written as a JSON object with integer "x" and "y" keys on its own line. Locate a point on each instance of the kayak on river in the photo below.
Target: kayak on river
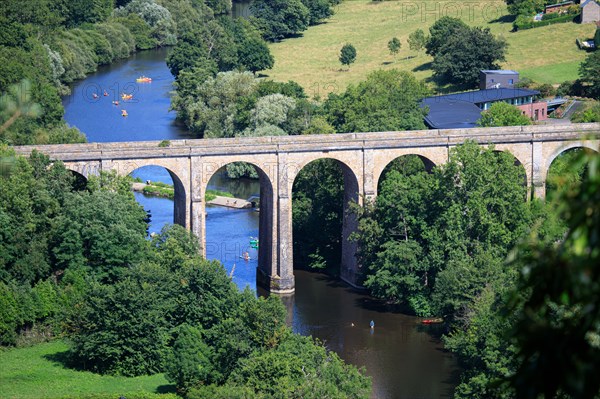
{"x": 433, "y": 321}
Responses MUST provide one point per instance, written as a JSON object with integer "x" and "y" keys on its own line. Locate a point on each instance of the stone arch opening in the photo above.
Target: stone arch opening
{"x": 79, "y": 180}
{"x": 408, "y": 164}
{"x": 240, "y": 219}
{"x": 560, "y": 173}
{"x": 162, "y": 194}
{"x": 322, "y": 193}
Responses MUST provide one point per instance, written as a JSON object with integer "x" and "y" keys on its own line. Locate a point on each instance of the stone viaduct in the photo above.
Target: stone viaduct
{"x": 278, "y": 160}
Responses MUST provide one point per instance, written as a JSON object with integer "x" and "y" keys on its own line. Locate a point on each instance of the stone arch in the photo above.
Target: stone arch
{"x": 267, "y": 249}
{"x": 564, "y": 148}
{"x": 291, "y": 164}
{"x": 180, "y": 200}
{"x": 352, "y": 193}
{"x": 381, "y": 158}
{"x": 428, "y": 164}
{"x": 85, "y": 169}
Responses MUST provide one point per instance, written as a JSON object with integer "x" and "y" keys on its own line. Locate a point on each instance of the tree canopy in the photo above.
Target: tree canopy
{"x": 589, "y": 72}
{"x": 503, "y": 114}
{"x": 278, "y": 19}
{"x": 347, "y": 54}
{"x": 461, "y": 56}
{"x": 385, "y": 101}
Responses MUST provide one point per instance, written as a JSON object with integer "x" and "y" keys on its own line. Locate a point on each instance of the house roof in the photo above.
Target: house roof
{"x": 459, "y": 110}
{"x": 564, "y": 3}
{"x": 500, "y": 72}
{"x": 483, "y": 96}
{"x": 450, "y": 114}
{"x": 585, "y": 3}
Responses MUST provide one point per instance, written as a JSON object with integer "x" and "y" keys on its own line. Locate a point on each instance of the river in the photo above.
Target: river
{"x": 405, "y": 359}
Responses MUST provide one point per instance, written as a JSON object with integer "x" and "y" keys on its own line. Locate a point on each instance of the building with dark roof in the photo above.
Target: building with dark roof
{"x": 463, "y": 110}
{"x": 498, "y": 78}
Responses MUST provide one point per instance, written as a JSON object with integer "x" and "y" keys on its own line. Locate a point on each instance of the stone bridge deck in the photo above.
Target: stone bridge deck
{"x": 278, "y": 160}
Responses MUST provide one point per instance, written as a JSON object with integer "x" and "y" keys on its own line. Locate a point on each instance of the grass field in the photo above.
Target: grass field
{"x": 36, "y": 372}
{"x": 547, "y": 54}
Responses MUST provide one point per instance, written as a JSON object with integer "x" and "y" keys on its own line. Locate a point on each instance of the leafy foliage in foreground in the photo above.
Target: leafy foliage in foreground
{"x": 557, "y": 328}
{"x": 129, "y": 306}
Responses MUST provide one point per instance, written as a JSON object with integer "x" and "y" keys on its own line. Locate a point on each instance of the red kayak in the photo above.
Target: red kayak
{"x": 433, "y": 321}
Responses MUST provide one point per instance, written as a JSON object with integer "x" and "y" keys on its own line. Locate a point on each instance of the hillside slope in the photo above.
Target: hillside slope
{"x": 547, "y": 54}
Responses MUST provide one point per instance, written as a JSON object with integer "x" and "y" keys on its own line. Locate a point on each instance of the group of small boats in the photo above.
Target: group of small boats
{"x": 124, "y": 96}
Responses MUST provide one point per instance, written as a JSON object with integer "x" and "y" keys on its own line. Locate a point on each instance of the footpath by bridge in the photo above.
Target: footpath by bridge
{"x": 278, "y": 160}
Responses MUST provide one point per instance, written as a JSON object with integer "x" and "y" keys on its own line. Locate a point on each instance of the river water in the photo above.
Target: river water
{"x": 405, "y": 359}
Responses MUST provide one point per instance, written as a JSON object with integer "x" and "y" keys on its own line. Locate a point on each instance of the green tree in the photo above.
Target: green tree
{"x": 433, "y": 241}
{"x": 557, "y": 333}
{"x": 299, "y": 368}
{"x": 122, "y": 328}
{"x": 103, "y": 230}
{"x": 589, "y": 72}
{"x": 463, "y": 56}
{"x": 590, "y": 114}
{"x": 215, "y": 104}
{"x": 254, "y": 55}
{"x": 189, "y": 361}
{"x": 503, "y": 114}
{"x": 525, "y": 7}
{"x": 417, "y": 40}
{"x": 442, "y": 31}
{"x": 32, "y": 196}
{"x": 87, "y": 11}
{"x": 385, "y": 101}
{"x": 318, "y": 10}
{"x": 347, "y": 55}
{"x": 597, "y": 36}
{"x": 394, "y": 46}
{"x": 278, "y": 19}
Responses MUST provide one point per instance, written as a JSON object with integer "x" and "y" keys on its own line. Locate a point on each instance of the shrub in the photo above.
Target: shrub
{"x": 526, "y": 22}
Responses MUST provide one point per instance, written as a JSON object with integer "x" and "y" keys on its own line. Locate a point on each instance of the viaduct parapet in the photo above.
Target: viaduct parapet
{"x": 278, "y": 160}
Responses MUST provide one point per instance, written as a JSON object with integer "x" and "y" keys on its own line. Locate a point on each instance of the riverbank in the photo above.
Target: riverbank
{"x": 212, "y": 197}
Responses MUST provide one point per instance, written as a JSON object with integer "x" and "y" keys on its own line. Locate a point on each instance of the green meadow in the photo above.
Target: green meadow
{"x": 38, "y": 372}
{"x": 547, "y": 54}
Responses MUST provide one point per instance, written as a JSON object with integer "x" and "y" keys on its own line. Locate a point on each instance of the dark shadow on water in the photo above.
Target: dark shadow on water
{"x": 377, "y": 305}
{"x": 423, "y": 67}
{"x": 453, "y": 380}
{"x": 166, "y": 389}
{"x": 505, "y": 19}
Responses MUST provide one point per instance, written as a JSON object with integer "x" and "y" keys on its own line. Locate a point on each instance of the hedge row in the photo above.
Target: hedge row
{"x": 526, "y": 22}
